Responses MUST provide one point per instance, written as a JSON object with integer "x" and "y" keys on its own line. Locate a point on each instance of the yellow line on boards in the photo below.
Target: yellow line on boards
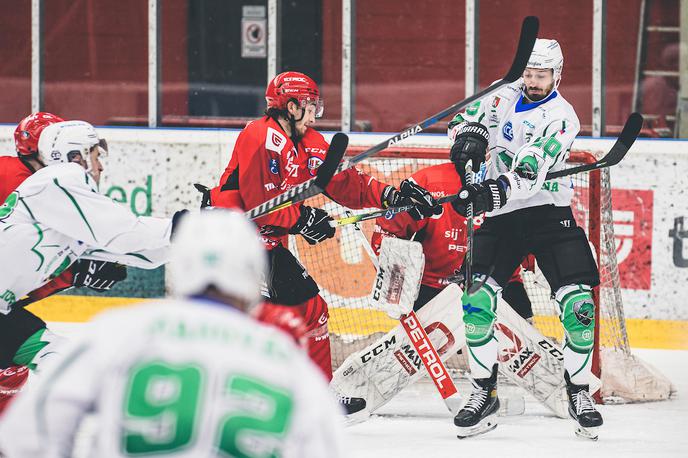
{"x": 642, "y": 333}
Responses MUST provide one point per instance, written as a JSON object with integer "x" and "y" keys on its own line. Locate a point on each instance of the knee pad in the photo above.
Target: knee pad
{"x": 577, "y": 314}
{"x": 479, "y": 313}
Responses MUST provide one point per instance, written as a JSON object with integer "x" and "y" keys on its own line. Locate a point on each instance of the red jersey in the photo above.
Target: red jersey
{"x": 443, "y": 237}
{"x": 12, "y": 173}
{"x": 265, "y": 163}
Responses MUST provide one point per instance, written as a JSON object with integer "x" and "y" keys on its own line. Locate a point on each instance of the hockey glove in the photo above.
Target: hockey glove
{"x": 313, "y": 225}
{"x": 470, "y": 144}
{"x": 205, "y": 194}
{"x": 411, "y": 193}
{"x": 98, "y": 275}
{"x": 486, "y": 196}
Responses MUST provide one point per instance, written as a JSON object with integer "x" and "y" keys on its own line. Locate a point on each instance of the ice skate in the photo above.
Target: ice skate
{"x": 354, "y": 408}
{"x": 479, "y": 414}
{"x": 582, "y": 410}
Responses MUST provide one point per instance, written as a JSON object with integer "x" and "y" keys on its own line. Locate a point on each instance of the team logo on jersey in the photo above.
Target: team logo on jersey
{"x": 508, "y": 131}
{"x": 275, "y": 141}
{"x": 495, "y": 102}
{"x": 313, "y": 164}
{"x": 274, "y": 166}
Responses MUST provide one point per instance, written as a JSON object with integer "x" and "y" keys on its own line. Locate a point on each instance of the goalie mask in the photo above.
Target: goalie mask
{"x": 72, "y": 141}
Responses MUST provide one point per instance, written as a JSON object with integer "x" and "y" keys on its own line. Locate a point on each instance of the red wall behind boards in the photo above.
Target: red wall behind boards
{"x": 409, "y": 56}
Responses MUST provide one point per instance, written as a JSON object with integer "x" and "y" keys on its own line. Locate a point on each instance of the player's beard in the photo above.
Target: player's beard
{"x": 536, "y": 97}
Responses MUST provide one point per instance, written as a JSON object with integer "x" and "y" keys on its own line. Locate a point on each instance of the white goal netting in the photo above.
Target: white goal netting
{"x": 345, "y": 275}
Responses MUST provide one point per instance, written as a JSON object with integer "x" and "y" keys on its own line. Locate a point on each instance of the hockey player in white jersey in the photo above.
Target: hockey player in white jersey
{"x": 57, "y": 216}
{"x": 193, "y": 376}
{"x": 526, "y": 130}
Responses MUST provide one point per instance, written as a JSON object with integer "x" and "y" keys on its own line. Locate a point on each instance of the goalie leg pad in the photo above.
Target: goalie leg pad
{"x": 288, "y": 281}
{"x": 578, "y": 316}
{"x": 565, "y": 258}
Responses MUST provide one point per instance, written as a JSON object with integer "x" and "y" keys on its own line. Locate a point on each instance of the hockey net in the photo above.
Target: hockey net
{"x": 345, "y": 275}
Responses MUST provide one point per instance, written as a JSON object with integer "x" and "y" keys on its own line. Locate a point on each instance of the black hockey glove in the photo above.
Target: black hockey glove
{"x": 470, "y": 144}
{"x": 486, "y": 196}
{"x": 313, "y": 225}
{"x": 98, "y": 275}
{"x": 411, "y": 193}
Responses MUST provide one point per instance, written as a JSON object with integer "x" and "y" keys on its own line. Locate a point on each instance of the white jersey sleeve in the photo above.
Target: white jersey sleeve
{"x": 535, "y": 159}
{"x": 184, "y": 378}
{"x": 64, "y": 198}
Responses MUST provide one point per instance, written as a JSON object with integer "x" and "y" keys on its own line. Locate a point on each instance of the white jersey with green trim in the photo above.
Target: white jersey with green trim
{"x": 183, "y": 378}
{"x": 56, "y": 216}
{"x": 536, "y": 136}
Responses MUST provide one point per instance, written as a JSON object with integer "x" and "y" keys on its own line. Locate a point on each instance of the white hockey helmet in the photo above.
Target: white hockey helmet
{"x": 547, "y": 54}
{"x": 219, "y": 248}
{"x": 60, "y": 142}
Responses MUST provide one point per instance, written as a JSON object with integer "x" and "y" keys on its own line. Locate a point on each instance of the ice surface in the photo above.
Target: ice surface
{"x": 416, "y": 424}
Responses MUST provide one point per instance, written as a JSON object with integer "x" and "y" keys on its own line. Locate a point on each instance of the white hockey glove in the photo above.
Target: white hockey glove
{"x": 396, "y": 287}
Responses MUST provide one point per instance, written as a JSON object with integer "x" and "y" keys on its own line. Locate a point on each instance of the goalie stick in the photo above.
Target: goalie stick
{"x": 616, "y": 153}
{"x": 529, "y": 30}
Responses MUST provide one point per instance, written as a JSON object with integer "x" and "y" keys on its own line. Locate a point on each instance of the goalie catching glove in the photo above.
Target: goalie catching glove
{"x": 486, "y": 196}
{"x": 411, "y": 193}
{"x": 98, "y": 275}
{"x": 313, "y": 225}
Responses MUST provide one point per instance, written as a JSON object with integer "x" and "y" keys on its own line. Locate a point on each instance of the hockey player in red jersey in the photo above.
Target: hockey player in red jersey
{"x": 17, "y": 326}
{"x": 273, "y": 154}
{"x": 443, "y": 238}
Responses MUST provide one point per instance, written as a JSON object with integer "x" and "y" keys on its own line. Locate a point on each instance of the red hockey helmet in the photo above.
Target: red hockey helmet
{"x": 293, "y": 85}
{"x": 29, "y": 129}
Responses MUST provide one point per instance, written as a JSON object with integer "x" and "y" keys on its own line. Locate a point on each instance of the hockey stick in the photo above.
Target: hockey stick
{"x": 470, "y": 230}
{"x": 308, "y": 188}
{"x": 387, "y": 213}
{"x": 526, "y": 41}
{"x": 629, "y": 134}
{"x": 421, "y": 342}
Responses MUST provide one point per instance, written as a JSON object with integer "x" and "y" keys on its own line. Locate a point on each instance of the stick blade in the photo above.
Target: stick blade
{"x": 529, "y": 31}
{"x": 334, "y": 156}
{"x": 629, "y": 134}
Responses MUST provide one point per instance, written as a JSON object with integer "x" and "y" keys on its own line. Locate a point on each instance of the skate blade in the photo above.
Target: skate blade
{"x": 590, "y": 433}
{"x": 486, "y": 425}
